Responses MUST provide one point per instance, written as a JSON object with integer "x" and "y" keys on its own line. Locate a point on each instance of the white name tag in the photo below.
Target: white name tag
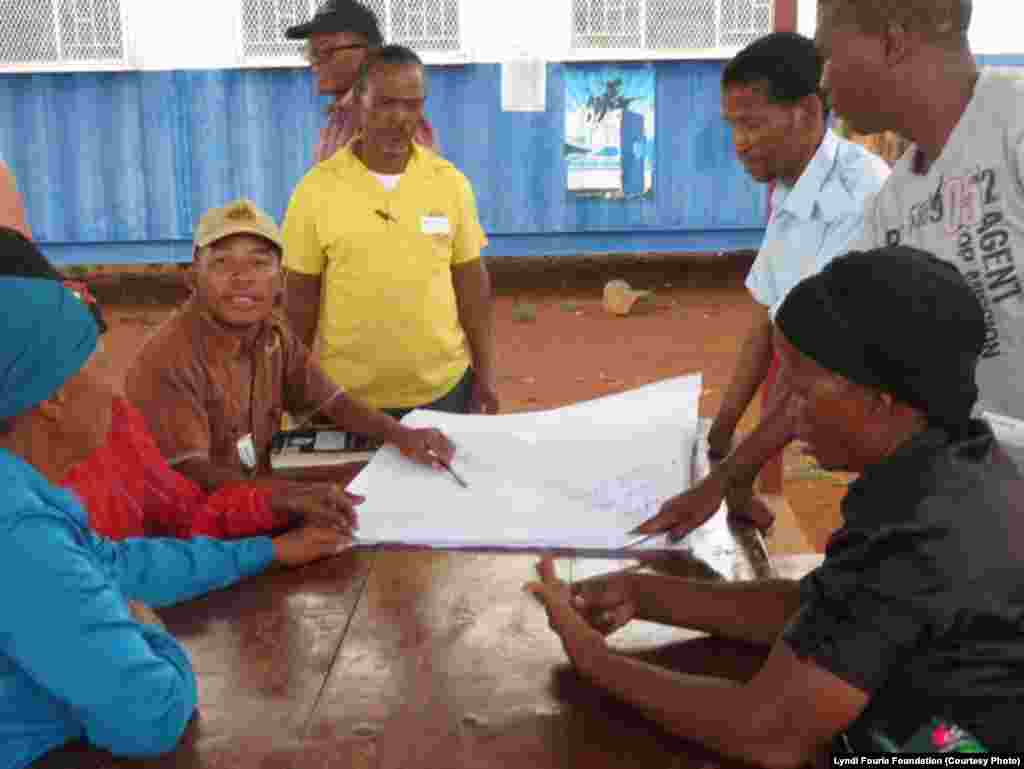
{"x": 247, "y": 451}
{"x": 436, "y": 225}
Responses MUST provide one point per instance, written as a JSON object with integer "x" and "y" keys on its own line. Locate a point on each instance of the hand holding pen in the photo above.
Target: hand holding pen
{"x": 427, "y": 446}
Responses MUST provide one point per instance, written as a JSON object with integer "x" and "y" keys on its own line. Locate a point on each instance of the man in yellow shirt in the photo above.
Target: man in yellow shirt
{"x": 382, "y": 252}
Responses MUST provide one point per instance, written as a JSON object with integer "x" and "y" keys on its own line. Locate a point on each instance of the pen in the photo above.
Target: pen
{"x": 641, "y": 539}
{"x": 447, "y": 466}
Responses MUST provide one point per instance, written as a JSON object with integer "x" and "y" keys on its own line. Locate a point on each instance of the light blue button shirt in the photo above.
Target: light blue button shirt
{"x": 815, "y": 220}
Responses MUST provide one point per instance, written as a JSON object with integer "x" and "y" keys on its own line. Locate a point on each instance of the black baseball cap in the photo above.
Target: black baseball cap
{"x": 340, "y": 16}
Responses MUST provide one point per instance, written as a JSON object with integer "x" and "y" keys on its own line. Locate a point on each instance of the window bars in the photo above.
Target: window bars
{"x": 424, "y": 25}
{"x": 666, "y": 26}
{"x": 45, "y": 32}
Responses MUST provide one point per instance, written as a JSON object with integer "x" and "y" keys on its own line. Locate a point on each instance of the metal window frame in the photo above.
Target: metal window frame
{"x": 587, "y": 54}
{"x": 59, "y": 64}
{"x": 433, "y": 58}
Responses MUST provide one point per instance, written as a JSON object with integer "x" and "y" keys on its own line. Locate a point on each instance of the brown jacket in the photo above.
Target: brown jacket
{"x": 202, "y": 388}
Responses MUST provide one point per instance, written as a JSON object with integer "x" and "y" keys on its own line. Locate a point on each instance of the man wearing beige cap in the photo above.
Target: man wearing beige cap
{"x": 215, "y": 379}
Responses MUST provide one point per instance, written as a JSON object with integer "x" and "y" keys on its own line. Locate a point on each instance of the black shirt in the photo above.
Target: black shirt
{"x": 920, "y": 599}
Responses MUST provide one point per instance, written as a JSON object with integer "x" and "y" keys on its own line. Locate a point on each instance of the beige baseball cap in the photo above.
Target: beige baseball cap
{"x": 240, "y": 217}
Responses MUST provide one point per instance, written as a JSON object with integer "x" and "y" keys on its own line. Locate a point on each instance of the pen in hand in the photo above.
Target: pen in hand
{"x": 451, "y": 471}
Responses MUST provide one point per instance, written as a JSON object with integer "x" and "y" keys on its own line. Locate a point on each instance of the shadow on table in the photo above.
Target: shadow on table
{"x": 609, "y": 733}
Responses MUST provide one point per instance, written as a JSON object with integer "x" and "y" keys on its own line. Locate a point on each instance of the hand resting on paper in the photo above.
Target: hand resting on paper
{"x": 684, "y": 512}
{"x": 691, "y": 509}
{"x": 732, "y": 480}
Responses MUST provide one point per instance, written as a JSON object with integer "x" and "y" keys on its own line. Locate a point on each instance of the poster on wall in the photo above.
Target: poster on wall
{"x": 609, "y": 129}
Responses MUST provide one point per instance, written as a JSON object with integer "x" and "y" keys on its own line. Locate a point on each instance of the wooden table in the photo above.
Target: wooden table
{"x": 407, "y": 659}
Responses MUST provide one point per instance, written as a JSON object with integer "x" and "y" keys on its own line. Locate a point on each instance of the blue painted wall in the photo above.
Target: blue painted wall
{"x": 117, "y": 167}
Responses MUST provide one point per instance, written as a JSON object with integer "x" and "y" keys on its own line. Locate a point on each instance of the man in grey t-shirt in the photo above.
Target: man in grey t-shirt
{"x": 957, "y": 192}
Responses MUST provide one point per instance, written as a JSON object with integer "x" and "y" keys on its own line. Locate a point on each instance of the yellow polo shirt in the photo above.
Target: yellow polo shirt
{"x": 389, "y": 331}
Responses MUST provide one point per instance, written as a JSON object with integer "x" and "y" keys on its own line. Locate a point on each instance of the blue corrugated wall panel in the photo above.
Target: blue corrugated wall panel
{"x": 117, "y": 166}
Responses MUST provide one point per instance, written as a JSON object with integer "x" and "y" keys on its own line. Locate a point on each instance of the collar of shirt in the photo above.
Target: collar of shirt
{"x": 347, "y": 156}
{"x": 217, "y": 343}
{"x": 819, "y": 190}
{"x": 890, "y": 489}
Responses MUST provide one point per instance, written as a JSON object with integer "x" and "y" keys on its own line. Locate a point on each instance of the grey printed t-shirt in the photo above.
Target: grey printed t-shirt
{"x": 968, "y": 209}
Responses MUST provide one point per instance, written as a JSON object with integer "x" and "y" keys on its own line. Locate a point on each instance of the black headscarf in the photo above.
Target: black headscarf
{"x": 897, "y": 319}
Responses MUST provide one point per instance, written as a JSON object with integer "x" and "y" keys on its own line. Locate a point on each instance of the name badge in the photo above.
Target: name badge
{"x": 436, "y": 225}
{"x": 247, "y": 452}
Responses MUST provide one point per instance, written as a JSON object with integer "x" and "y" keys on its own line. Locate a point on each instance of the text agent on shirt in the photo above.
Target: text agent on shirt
{"x": 215, "y": 379}
{"x": 772, "y": 101}
{"x": 383, "y": 263}
{"x": 338, "y": 39}
{"x": 958, "y": 191}
{"x": 82, "y": 656}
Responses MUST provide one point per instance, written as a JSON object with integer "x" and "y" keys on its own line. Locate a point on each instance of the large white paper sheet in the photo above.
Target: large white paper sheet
{"x": 576, "y": 478}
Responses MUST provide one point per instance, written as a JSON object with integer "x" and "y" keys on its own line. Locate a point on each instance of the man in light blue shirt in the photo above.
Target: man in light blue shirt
{"x": 814, "y": 220}
{"x": 771, "y": 99}
{"x": 82, "y": 656}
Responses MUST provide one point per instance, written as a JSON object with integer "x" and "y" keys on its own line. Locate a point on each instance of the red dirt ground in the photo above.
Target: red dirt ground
{"x": 572, "y": 350}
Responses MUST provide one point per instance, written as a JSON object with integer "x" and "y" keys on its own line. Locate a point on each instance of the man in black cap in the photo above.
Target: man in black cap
{"x": 915, "y": 616}
{"x": 337, "y": 40}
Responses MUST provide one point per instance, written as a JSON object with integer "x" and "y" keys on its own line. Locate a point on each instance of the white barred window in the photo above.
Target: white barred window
{"x": 427, "y": 26}
{"x": 54, "y": 34}
{"x": 607, "y": 28}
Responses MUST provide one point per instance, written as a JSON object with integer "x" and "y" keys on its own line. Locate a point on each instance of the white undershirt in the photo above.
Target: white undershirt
{"x": 390, "y": 181}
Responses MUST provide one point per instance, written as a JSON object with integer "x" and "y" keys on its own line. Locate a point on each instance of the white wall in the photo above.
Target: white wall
{"x": 996, "y": 25}
{"x": 805, "y": 16}
{"x": 185, "y": 34}
{"x": 499, "y": 31}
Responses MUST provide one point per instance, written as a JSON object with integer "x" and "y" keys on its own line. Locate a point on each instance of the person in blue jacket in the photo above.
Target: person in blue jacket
{"x": 82, "y": 656}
